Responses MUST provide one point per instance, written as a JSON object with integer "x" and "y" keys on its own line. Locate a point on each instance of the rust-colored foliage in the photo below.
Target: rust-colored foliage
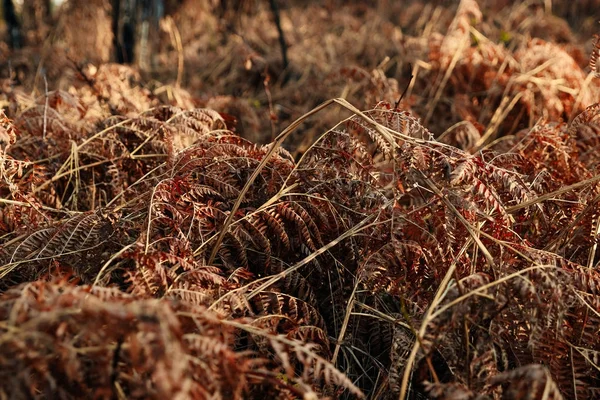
{"x": 440, "y": 245}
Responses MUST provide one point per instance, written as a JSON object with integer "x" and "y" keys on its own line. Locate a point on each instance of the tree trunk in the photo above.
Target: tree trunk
{"x": 15, "y": 37}
{"x": 136, "y": 30}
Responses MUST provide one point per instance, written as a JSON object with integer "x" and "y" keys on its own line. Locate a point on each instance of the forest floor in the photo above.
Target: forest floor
{"x": 410, "y": 208}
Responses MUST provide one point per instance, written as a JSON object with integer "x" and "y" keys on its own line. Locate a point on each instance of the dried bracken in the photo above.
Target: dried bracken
{"x": 441, "y": 244}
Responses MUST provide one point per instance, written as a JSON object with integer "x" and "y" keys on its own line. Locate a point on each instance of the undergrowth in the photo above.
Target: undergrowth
{"x": 444, "y": 246}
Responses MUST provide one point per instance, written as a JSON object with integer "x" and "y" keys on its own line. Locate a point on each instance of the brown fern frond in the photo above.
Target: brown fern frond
{"x": 527, "y": 382}
{"x": 595, "y": 56}
{"x": 128, "y": 335}
{"x": 298, "y": 311}
{"x": 81, "y": 242}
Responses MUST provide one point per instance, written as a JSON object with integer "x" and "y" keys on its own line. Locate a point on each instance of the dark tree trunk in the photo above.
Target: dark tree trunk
{"x": 15, "y": 37}
{"x": 149, "y": 13}
{"x": 124, "y": 26}
{"x": 135, "y": 28}
{"x": 282, "y": 42}
{"x": 117, "y": 40}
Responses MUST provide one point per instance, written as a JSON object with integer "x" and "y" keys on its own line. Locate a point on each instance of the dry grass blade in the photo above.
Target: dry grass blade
{"x": 551, "y": 195}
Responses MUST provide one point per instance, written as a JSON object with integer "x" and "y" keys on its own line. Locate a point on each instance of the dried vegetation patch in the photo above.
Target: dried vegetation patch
{"x": 443, "y": 246}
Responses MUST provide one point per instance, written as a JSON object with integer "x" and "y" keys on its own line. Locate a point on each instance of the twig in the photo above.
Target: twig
{"x": 45, "y": 107}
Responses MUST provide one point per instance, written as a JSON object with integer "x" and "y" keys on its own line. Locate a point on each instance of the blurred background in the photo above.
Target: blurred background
{"x": 264, "y": 63}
